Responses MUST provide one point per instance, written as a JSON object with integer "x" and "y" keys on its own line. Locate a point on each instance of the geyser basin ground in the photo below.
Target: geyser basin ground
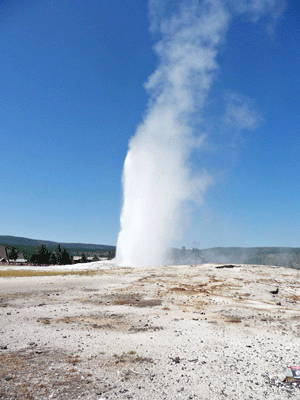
{"x": 176, "y": 332}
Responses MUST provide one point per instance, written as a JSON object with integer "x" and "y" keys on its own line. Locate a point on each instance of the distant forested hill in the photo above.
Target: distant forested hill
{"x": 29, "y": 246}
{"x": 16, "y": 241}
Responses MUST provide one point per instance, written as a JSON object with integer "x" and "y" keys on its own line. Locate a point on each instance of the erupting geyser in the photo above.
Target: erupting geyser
{"x": 157, "y": 181}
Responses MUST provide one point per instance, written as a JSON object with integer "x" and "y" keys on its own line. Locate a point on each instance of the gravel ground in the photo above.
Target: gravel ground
{"x": 177, "y": 332}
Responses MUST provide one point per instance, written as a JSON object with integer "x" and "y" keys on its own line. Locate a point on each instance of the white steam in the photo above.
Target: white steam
{"x": 157, "y": 181}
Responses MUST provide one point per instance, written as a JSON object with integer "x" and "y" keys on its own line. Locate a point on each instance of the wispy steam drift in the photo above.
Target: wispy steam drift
{"x": 157, "y": 181}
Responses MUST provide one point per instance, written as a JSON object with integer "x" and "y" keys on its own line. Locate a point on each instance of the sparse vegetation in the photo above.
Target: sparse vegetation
{"x": 28, "y": 273}
{"x": 130, "y": 357}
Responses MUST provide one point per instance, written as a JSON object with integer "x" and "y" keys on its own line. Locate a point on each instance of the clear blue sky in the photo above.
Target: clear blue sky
{"x": 72, "y": 95}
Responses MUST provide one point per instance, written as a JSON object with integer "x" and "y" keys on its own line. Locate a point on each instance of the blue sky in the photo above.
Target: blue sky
{"x": 72, "y": 94}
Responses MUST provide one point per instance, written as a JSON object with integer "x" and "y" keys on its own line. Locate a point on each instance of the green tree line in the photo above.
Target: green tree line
{"x": 46, "y": 257}
{"x": 43, "y": 256}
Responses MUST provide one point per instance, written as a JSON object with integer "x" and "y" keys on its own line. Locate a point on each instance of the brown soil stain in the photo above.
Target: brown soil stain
{"x": 113, "y": 322}
{"x": 121, "y": 299}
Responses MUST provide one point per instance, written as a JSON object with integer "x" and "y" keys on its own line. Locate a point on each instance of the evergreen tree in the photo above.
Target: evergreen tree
{"x": 44, "y": 255}
{"x": 65, "y": 257}
{"x": 83, "y": 258}
{"x": 59, "y": 255}
{"x": 34, "y": 258}
{"x": 53, "y": 259}
{"x": 13, "y": 255}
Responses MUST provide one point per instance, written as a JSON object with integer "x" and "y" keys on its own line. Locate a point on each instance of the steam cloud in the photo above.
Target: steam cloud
{"x": 157, "y": 179}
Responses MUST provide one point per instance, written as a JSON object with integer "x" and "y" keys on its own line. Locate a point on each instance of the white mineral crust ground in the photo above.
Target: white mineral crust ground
{"x": 171, "y": 332}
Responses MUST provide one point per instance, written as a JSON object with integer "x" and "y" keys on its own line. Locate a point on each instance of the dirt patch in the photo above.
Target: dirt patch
{"x": 130, "y": 358}
{"x": 128, "y": 299}
{"x": 131, "y": 364}
{"x": 214, "y": 288}
{"x": 44, "y": 320}
{"x": 118, "y": 322}
{"x": 234, "y": 320}
{"x": 101, "y": 321}
{"x": 38, "y": 298}
{"x": 189, "y": 289}
{"x": 39, "y": 374}
{"x": 3, "y": 302}
{"x": 293, "y": 298}
{"x": 145, "y": 328}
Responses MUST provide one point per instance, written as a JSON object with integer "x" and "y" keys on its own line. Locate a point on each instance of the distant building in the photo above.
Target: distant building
{"x": 3, "y": 254}
{"x": 4, "y": 257}
{"x": 77, "y": 259}
{"x": 20, "y": 259}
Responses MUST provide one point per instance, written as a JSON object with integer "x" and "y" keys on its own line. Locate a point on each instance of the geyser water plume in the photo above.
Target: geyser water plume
{"x": 157, "y": 181}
